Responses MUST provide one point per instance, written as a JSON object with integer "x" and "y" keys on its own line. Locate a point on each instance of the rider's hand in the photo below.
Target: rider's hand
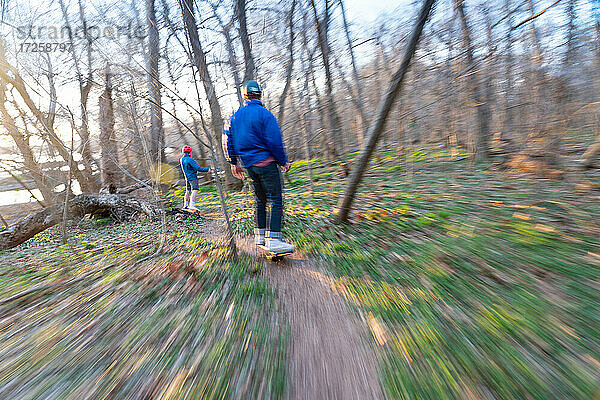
{"x": 237, "y": 171}
{"x": 286, "y": 167}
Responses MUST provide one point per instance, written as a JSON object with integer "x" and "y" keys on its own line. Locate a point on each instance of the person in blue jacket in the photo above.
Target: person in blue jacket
{"x": 190, "y": 170}
{"x": 254, "y": 142}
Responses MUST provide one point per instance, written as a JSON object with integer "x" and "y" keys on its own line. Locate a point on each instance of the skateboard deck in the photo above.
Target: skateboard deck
{"x": 274, "y": 256}
{"x": 188, "y": 212}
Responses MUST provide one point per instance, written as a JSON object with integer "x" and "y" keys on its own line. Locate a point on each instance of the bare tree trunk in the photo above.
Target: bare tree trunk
{"x": 536, "y": 80}
{"x": 52, "y": 93}
{"x": 169, "y": 95}
{"x": 481, "y": 139}
{"x": 591, "y": 153}
{"x": 334, "y": 119}
{"x": 23, "y": 145}
{"x": 240, "y": 11}
{"x": 290, "y": 65}
{"x": 309, "y": 74}
{"x": 10, "y": 75}
{"x": 110, "y": 159}
{"x": 357, "y": 101}
{"x": 326, "y": 145}
{"x": 85, "y": 88}
{"x": 379, "y": 119}
{"x": 157, "y": 137}
{"x": 488, "y": 80}
{"x": 85, "y": 85}
{"x": 508, "y": 123}
{"x": 382, "y": 64}
{"x": 362, "y": 115}
{"x": 178, "y": 126}
{"x": 200, "y": 144}
{"x": 199, "y": 60}
{"x": 142, "y": 168}
{"x": 68, "y": 184}
{"x": 307, "y": 125}
{"x": 449, "y": 103}
{"x": 233, "y": 64}
{"x": 597, "y": 28}
{"x": 231, "y": 57}
{"x": 571, "y": 45}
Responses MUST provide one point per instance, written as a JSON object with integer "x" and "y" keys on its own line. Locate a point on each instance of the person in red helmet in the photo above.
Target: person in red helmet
{"x": 190, "y": 170}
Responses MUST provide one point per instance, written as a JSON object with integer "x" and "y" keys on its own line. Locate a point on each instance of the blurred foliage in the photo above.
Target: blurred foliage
{"x": 186, "y": 324}
{"x": 475, "y": 283}
{"x": 480, "y": 283}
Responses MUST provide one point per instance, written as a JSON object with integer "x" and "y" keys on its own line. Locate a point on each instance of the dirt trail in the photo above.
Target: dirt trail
{"x": 330, "y": 354}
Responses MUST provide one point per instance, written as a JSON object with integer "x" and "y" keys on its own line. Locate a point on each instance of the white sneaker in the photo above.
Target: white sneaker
{"x": 279, "y": 246}
{"x": 259, "y": 237}
{"x": 192, "y": 207}
{"x": 185, "y": 206}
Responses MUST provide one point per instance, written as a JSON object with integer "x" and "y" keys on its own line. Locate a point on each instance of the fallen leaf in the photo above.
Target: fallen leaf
{"x": 521, "y": 216}
{"x": 544, "y": 228}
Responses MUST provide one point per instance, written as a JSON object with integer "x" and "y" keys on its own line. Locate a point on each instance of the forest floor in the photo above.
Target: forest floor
{"x": 450, "y": 281}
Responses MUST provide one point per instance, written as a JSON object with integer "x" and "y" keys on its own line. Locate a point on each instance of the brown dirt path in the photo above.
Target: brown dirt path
{"x": 331, "y": 356}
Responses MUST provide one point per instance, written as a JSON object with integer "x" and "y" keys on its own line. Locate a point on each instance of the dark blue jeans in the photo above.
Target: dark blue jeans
{"x": 267, "y": 188}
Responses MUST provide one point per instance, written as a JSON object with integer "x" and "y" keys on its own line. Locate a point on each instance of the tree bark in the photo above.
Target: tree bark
{"x": 233, "y": 64}
{"x": 536, "y": 81}
{"x": 157, "y": 139}
{"x": 289, "y": 67}
{"x": 322, "y": 25}
{"x": 481, "y": 140}
{"x": 85, "y": 88}
{"x": 571, "y": 37}
{"x": 28, "y": 157}
{"x": 306, "y": 118}
{"x": 355, "y": 100}
{"x": 362, "y": 115}
{"x": 11, "y": 76}
{"x": 85, "y": 85}
{"x": 309, "y": 75}
{"x": 379, "y": 119}
{"x": 231, "y": 57}
{"x": 508, "y": 122}
{"x": 240, "y": 11}
{"x": 141, "y": 150}
{"x": 199, "y": 60}
{"x": 110, "y": 175}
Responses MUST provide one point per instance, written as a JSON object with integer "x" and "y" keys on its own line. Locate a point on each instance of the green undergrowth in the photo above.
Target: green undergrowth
{"x": 477, "y": 283}
{"x": 189, "y": 323}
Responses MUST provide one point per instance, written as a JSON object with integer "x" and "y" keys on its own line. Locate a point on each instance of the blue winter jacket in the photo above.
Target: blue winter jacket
{"x": 254, "y": 135}
{"x": 190, "y": 167}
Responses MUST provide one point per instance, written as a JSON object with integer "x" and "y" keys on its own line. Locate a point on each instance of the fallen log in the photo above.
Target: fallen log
{"x": 134, "y": 187}
{"x": 78, "y": 207}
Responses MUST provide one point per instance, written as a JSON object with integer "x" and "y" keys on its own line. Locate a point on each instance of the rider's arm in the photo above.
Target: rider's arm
{"x": 230, "y": 153}
{"x": 198, "y": 167}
